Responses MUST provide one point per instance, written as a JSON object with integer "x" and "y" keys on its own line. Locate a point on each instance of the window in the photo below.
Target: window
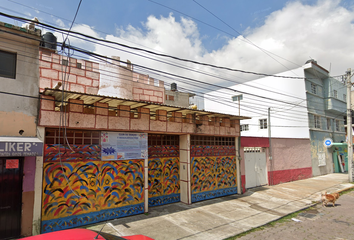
{"x": 159, "y": 139}
{"x": 344, "y": 97}
{"x": 65, "y": 62}
{"x": 263, "y": 123}
{"x": 76, "y": 137}
{"x": 244, "y": 127}
{"x": 335, "y": 94}
{"x": 205, "y": 140}
{"x": 337, "y": 126}
{"x": 317, "y": 121}
{"x": 8, "y": 64}
{"x": 329, "y": 127}
{"x": 313, "y": 88}
{"x": 79, "y": 65}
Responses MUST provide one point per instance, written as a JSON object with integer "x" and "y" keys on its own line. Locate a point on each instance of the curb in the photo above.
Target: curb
{"x": 345, "y": 189}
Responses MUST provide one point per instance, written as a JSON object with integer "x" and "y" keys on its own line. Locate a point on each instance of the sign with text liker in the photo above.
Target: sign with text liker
{"x": 21, "y": 149}
{"x": 123, "y": 146}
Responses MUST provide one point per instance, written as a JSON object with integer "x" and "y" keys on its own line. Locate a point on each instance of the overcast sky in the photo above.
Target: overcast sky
{"x": 258, "y": 36}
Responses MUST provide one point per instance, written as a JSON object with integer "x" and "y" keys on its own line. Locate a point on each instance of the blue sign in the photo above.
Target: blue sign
{"x": 328, "y": 142}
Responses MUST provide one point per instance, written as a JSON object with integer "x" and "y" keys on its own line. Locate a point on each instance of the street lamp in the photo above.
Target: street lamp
{"x": 238, "y": 98}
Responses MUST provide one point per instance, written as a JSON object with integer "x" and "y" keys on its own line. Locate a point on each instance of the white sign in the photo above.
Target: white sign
{"x": 321, "y": 159}
{"x": 123, "y": 146}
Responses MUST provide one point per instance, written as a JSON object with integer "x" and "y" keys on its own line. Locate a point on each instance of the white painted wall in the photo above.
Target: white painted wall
{"x": 288, "y": 121}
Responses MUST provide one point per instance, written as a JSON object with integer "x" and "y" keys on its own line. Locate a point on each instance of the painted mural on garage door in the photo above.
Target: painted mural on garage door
{"x": 164, "y": 183}
{"x": 80, "y": 189}
{"x": 213, "y": 170}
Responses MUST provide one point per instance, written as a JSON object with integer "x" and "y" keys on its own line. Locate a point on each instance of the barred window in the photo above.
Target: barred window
{"x": 211, "y": 140}
{"x": 76, "y": 137}
{"x": 313, "y": 88}
{"x": 161, "y": 139}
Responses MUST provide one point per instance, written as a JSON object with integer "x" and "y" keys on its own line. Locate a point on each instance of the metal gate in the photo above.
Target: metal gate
{"x": 255, "y": 169}
{"x": 163, "y": 171}
{"x": 10, "y": 197}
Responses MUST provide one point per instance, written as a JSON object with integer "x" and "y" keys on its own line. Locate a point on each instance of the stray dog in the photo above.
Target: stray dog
{"x": 326, "y": 198}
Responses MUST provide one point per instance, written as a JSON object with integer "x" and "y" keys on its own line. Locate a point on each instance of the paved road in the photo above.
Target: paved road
{"x": 318, "y": 222}
{"x": 223, "y": 217}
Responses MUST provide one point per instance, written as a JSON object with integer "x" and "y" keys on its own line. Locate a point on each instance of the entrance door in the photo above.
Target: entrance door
{"x": 256, "y": 169}
{"x": 10, "y": 197}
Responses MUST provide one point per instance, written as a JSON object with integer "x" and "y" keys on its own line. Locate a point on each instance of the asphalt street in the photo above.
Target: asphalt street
{"x": 315, "y": 223}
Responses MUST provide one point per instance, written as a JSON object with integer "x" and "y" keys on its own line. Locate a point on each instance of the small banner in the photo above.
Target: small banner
{"x": 12, "y": 163}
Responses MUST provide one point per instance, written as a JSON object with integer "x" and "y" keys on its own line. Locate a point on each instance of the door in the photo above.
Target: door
{"x": 255, "y": 169}
{"x": 10, "y": 197}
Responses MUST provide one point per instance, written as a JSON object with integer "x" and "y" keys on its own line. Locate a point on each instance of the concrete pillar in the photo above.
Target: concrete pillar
{"x": 37, "y": 205}
{"x": 185, "y": 168}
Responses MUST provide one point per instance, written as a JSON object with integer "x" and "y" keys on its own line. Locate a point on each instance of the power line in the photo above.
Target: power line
{"x": 256, "y": 95}
{"x": 151, "y": 52}
{"x": 241, "y": 34}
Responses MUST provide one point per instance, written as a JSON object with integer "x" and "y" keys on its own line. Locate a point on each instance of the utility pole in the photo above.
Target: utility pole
{"x": 270, "y": 148}
{"x": 349, "y": 126}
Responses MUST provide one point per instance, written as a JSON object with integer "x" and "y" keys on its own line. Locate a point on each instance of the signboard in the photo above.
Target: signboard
{"x": 12, "y": 163}
{"x": 321, "y": 159}
{"x": 328, "y": 142}
{"x": 123, "y": 146}
{"x": 21, "y": 149}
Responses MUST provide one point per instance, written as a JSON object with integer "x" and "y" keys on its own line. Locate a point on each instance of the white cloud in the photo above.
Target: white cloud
{"x": 323, "y": 31}
{"x": 60, "y": 23}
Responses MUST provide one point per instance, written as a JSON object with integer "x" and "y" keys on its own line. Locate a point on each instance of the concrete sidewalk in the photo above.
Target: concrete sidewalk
{"x": 224, "y": 217}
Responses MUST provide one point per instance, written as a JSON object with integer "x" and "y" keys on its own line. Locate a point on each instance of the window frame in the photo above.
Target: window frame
{"x": 263, "y": 123}
{"x": 317, "y": 121}
{"x": 337, "y": 125}
{"x": 244, "y": 127}
{"x": 13, "y": 75}
{"x": 335, "y": 93}
{"x": 313, "y": 88}
{"x": 329, "y": 124}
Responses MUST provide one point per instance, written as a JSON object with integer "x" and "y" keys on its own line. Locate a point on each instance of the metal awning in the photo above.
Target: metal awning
{"x": 62, "y": 97}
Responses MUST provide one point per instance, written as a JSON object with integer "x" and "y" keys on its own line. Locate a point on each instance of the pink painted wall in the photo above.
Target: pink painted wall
{"x": 291, "y": 153}
{"x": 29, "y": 173}
{"x": 28, "y": 195}
{"x": 84, "y": 79}
{"x": 78, "y": 118}
{"x": 291, "y": 159}
{"x": 118, "y": 79}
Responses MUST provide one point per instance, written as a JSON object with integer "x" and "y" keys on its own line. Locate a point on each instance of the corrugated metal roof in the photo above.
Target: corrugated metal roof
{"x": 113, "y": 102}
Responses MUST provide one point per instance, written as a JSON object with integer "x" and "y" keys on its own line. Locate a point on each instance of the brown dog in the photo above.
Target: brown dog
{"x": 326, "y": 198}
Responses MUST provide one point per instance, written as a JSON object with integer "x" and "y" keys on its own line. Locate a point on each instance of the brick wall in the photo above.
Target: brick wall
{"x": 84, "y": 79}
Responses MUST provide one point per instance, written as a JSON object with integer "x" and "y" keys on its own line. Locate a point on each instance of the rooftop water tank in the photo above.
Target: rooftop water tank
{"x": 49, "y": 41}
{"x": 173, "y": 86}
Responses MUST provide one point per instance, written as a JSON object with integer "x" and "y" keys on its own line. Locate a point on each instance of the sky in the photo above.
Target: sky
{"x": 257, "y": 36}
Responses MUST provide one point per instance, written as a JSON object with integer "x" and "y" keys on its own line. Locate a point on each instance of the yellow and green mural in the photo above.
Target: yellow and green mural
{"x": 83, "y": 190}
{"x": 213, "y": 172}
